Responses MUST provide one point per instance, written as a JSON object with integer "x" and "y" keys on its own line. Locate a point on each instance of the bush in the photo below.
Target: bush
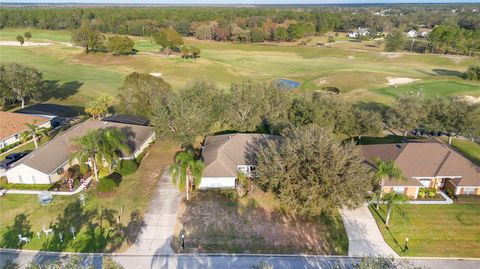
{"x": 431, "y": 194}
{"x": 421, "y": 194}
{"x": 106, "y": 184}
{"x": 427, "y": 192}
{"x": 127, "y": 167}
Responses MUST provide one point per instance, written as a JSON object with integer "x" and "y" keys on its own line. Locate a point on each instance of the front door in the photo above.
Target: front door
{"x": 425, "y": 182}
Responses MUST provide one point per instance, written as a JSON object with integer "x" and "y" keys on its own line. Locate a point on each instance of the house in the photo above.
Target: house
{"x": 412, "y": 33}
{"x": 57, "y": 114}
{"x": 12, "y": 125}
{"x": 358, "y": 33}
{"x": 47, "y": 164}
{"x": 227, "y": 155}
{"x": 426, "y": 165}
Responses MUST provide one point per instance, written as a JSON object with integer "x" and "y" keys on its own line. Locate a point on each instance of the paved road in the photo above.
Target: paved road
{"x": 160, "y": 220}
{"x": 363, "y": 234}
{"x": 225, "y": 261}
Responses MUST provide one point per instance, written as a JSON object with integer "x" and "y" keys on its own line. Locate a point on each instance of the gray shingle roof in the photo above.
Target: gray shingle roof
{"x": 56, "y": 152}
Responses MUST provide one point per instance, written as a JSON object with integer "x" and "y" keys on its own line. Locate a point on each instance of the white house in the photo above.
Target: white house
{"x": 412, "y": 33}
{"x": 12, "y": 125}
{"x": 226, "y": 156}
{"x": 47, "y": 164}
{"x": 358, "y": 33}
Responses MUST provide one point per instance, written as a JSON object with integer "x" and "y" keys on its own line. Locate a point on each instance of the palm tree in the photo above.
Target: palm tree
{"x": 186, "y": 171}
{"x": 100, "y": 146}
{"x": 385, "y": 169}
{"x": 393, "y": 200}
{"x": 34, "y": 130}
{"x": 113, "y": 145}
{"x": 99, "y": 107}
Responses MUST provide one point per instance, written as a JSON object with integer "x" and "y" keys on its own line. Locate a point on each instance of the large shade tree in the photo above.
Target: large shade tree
{"x": 311, "y": 171}
{"x": 407, "y": 113}
{"x": 168, "y": 38}
{"x": 88, "y": 38}
{"x": 20, "y": 82}
{"x": 140, "y": 93}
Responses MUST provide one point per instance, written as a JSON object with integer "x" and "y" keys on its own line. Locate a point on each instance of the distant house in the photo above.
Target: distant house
{"x": 412, "y": 33}
{"x": 47, "y": 164}
{"x": 12, "y": 125}
{"x": 227, "y": 155}
{"x": 426, "y": 165}
{"x": 358, "y": 33}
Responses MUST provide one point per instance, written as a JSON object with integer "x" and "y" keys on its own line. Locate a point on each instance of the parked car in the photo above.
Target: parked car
{"x": 4, "y": 164}
{"x": 16, "y": 156}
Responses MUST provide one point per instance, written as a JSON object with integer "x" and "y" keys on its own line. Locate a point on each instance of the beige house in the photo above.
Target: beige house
{"x": 12, "y": 125}
{"x": 47, "y": 164}
{"x": 227, "y": 155}
{"x": 427, "y": 165}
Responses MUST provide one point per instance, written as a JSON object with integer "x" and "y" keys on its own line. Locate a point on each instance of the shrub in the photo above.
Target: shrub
{"x": 421, "y": 194}
{"x": 127, "y": 167}
{"x": 106, "y": 184}
{"x": 431, "y": 194}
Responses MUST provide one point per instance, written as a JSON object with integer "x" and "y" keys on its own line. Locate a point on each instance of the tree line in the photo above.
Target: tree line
{"x": 201, "y": 108}
{"x": 254, "y": 24}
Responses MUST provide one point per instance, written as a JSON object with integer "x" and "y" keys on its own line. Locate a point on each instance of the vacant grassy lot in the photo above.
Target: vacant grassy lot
{"x": 433, "y": 230}
{"x": 95, "y": 224}
{"x": 357, "y": 68}
{"x": 220, "y": 222}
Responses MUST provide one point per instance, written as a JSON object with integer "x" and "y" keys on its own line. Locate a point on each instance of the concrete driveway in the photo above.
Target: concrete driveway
{"x": 160, "y": 220}
{"x": 364, "y": 236}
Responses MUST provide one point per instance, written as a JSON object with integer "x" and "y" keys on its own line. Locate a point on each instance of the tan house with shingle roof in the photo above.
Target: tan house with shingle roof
{"x": 227, "y": 155}
{"x": 12, "y": 125}
{"x": 47, "y": 164}
{"x": 427, "y": 165}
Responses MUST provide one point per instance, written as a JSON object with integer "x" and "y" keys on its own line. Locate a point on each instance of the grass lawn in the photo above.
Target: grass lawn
{"x": 433, "y": 230}
{"x": 22, "y": 214}
{"x": 216, "y": 221}
{"x": 434, "y": 88}
{"x": 77, "y": 78}
{"x": 469, "y": 149}
{"x": 30, "y": 146}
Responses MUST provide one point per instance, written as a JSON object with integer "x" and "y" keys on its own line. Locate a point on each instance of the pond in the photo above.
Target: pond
{"x": 286, "y": 83}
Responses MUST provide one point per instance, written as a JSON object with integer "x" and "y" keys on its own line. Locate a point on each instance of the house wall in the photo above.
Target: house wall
{"x": 411, "y": 192}
{"x": 145, "y": 145}
{"x": 16, "y": 138}
{"x": 461, "y": 190}
{"x": 23, "y": 174}
{"x": 217, "y": 182}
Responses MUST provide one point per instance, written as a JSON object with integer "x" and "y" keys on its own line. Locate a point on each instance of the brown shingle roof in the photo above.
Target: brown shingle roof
{"x": 222, "y": 153}
{"x": 56, "y": 152}
{"x": 14, "y": 123}
{"x": 430, "y": 159}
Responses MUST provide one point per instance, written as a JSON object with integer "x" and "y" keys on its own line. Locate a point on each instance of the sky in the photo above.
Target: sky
{"x": 240, "y": 1}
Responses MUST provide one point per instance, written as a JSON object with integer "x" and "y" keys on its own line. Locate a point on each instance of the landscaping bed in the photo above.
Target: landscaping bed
{"x": 215, "y": 221}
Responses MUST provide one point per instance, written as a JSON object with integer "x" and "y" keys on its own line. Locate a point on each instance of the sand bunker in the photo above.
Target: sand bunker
{"x": 156, "y": 74}
{"x": 392, "y": 55}
{"x": 26, "y": 44}
{"x": 471, "y": 99}
{"x": 320, "y": 81}
{"x": 392, "y": 81}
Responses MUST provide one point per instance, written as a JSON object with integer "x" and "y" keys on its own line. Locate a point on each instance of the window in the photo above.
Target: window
{"x": 398, "y": 189}
{"x": 469, "y": 191}
{"x": 425, "y": 182}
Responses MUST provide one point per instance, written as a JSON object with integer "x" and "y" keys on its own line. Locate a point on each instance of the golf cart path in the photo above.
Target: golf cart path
{"x": 160, "y": 220}
{"x": 363, "y": 234}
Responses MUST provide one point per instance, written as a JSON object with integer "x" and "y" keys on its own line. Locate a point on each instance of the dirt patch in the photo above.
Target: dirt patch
{"x": 320, "y": 81}
{"x": 393, "y": 81}
{"x": 215, "y": 221}
{"x": 26, "y": 44}
{"x": 392, "y": 55}
{"x": 104, "y": 59}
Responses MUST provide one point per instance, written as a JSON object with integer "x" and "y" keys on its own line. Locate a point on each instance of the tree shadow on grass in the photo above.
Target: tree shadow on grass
{"x": 21, "y": 226}
{"x": 55, "y": 90}
{"x": 446, "y": 72}
{"x": 377, "y": 212}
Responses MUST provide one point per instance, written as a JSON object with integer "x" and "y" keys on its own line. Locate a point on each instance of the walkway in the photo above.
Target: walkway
{"x": 363, "y": 234}
{"x": 231, "y": 261}
{"x": 160, "y": 220}
{"x": 64, "y": 193}
{"x": 447, "y": 201}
